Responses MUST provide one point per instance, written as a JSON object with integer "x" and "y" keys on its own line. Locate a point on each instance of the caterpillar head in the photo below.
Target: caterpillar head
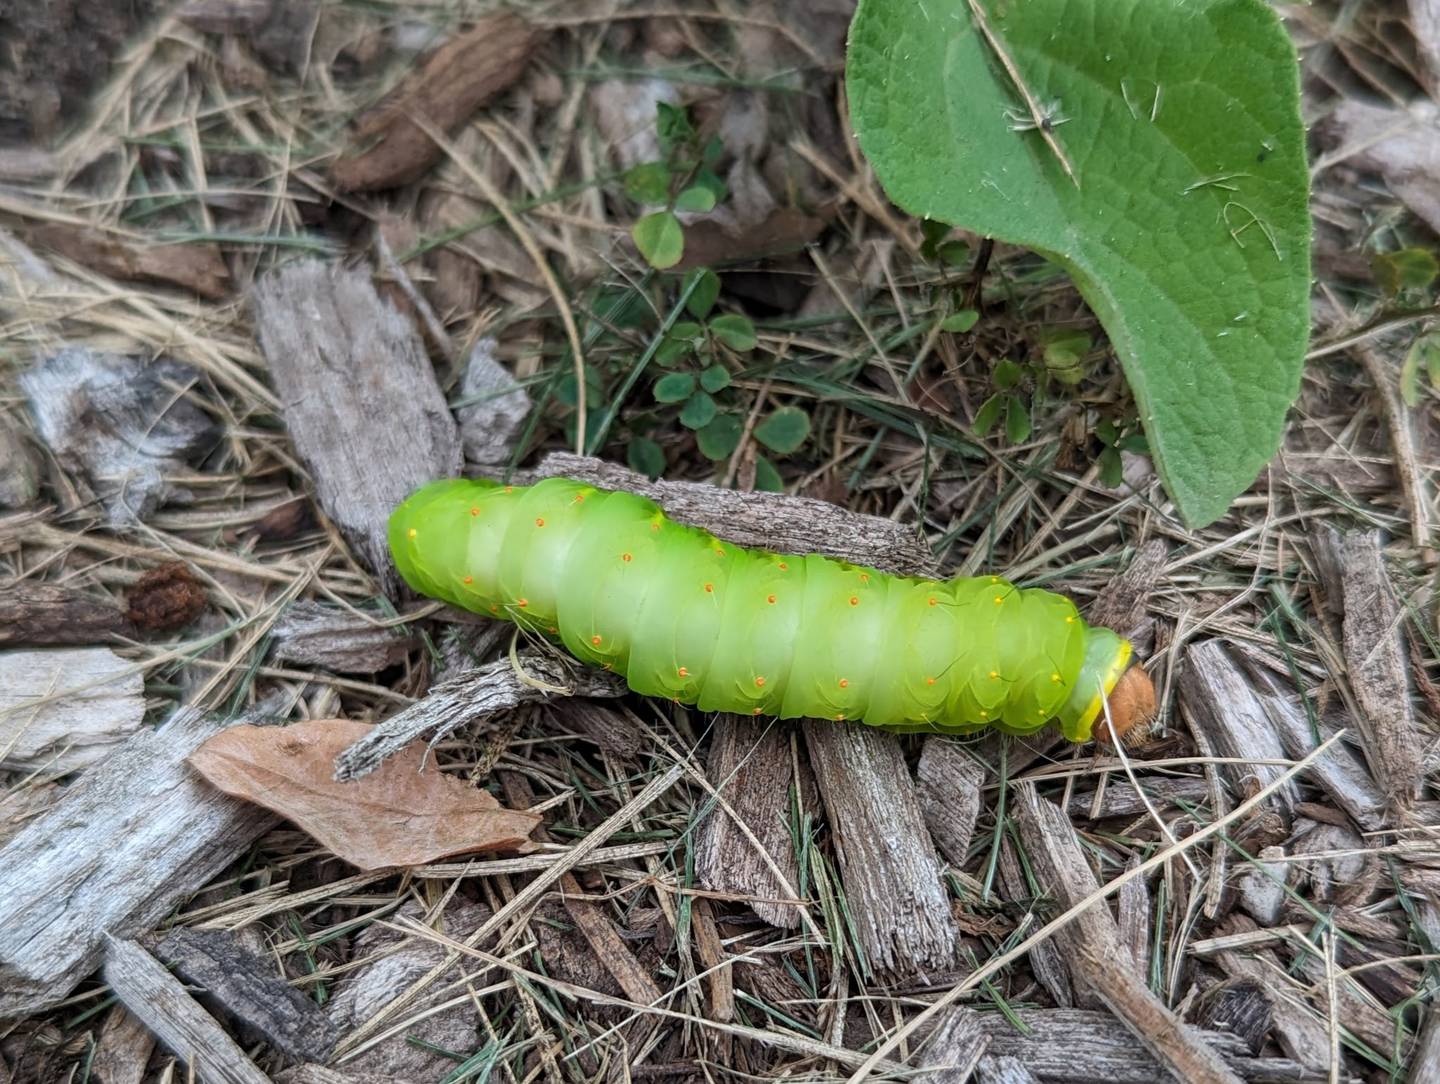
{"x": 1132, "y": 709}
{"x": 1107, "y": 675}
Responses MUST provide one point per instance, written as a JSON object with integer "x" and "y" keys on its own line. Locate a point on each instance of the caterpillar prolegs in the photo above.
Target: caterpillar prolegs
{"x": 682, "y": 614}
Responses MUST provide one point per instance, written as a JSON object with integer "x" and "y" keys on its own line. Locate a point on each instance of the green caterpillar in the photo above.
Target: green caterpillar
{"x": 684, "y": 615}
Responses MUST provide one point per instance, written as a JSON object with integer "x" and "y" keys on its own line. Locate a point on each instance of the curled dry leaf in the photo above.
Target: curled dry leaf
{"x": 398, "y": 815}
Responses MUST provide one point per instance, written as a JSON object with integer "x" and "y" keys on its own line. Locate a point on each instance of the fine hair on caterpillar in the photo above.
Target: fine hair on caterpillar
{"x": 684, "y": 615}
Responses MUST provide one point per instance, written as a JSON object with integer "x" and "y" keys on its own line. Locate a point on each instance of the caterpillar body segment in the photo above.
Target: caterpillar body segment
{"x": 685, "y": 615}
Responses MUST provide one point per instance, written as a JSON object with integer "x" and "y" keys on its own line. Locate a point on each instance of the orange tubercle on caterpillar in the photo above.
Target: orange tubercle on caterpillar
{"x": 1133, "y": 708}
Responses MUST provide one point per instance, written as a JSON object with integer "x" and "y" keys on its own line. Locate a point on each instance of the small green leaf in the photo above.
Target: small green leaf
{"x": 932, "y": 233}
{"x": 767, "y": 477}
{"x": 719, "y": 439}
{"x": 1135, "y": 443}
{"x": 1407, "y": 269}
{"x": 1163, "y": 166}
{"x": 699, "y": 411}
{"x": 1423, "y": 352}
{"x": 696, "y": 198}
{"x": 645, "y": 456}
{"x": 709, "y": 179}
{"x": 961, "y": 321}
{"x": 989, "y": 414}
{"x": 673, "y": 351}
{"x": 1007, "y": 375}
{"x": 954, "y": 253}
{"x": 1017, "y": 420}
{"x": 660, "y": 240}
{"x": 702, "y": 296}
{"x": 784, "y": 431}
{"x": 649, "y": 182}
{"x": 1106, "y": 432}
{"x": 715, "y": 378}
{"x": 672, "y": 124}
{"x": 674, "y": 387}
{"x": 1112, "y": 467}
{"x": 735, "y": 331}
{"x": 1064, "y": 354}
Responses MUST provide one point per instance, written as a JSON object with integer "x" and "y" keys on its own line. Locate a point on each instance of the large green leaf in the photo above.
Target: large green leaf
{"x": 1185, "y": 225}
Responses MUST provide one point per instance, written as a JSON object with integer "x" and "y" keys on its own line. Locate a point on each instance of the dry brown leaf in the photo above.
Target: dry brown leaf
{"x": 398, "y": 815}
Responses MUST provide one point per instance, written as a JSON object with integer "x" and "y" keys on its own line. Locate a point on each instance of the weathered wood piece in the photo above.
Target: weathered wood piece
{"x": 1353, "y": 567}
{"x": 1122, "y": 605}
{"x": 63, "y": 709}
{"x": 1046, "y": 961}
{"x": 21, "y": 467}
{"x": 1341, "y": 773}
{"x": 1297, "y": 1028}
{"x": 887, "y": 860}
{"x": 1240, "y": 1006}
{"x": 955, "y": 1048}
{"x": 360, "y": 398}
{"x": 948, "y": 786}
{"x": 239, "y": 986}
{"x": 1425, "y": 1058}
{"x": 159, "y": 999}
{"x": 1094, "y": 948}
{"x": 493, "y": 407}
{"x": 387, "y": 963}
{"x": 751, "y": 767}
{"x": 138, "y": 833}
{"x": 1220, "y": 702}
{"x": 1121, "y": 799}
{"x": 469, "y": 697}
{"x": 389, "y": 147}
{"x": 312, "y": 634}
{"x": 1075, "y": 1046}
{"x": 119, "y": 422}
{"x": 46, "y": 613}
{"x": 1003, "y": 1069}
{"x": 123, "y": 1049}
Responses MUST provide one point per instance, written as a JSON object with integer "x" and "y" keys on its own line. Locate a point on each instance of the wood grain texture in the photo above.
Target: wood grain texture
{"x": 948, "y": 782}
{"x": 312, "y": 634}
{"x": 1223, "y": 707}
{"x": 887, "y": 860}
{"x": 471, "y": 696}
{"x": 360, "y": 399}
{"x": 751, "y": 766}
{"x": 161, "y": 1002}
{"x": 136, "y": 835}
{"x": 35, "y": 614}
{"x": 388, "y": 148}
{"x": 1353, "y": 565}
{"x": 250, "y": 992}
{"x": 956, "y": 1047}
{"x": 63, "y": 709}
{"x": 1095, "y": 951}
{"x": 1074, "y": 1046}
